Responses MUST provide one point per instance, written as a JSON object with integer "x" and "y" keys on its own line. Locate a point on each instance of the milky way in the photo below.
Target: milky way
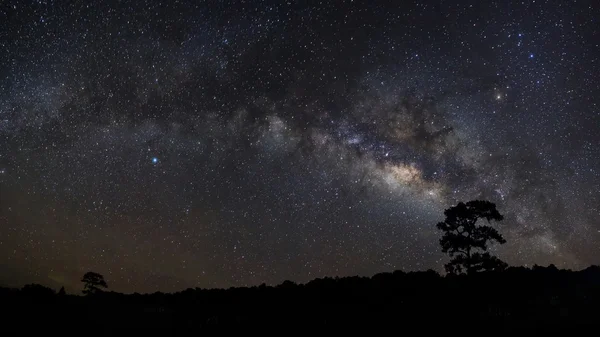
{"x": 213, "y": 144}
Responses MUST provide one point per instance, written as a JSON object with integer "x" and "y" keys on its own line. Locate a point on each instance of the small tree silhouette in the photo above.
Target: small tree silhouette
{"x": 93, "y": 282}
{"x": 466, "y": 242}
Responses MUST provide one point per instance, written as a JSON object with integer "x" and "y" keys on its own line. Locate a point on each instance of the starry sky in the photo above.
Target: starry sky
{"x": 182, "y": 144}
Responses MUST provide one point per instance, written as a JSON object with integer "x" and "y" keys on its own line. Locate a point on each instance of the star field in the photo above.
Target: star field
{"x": 182, "y": 144}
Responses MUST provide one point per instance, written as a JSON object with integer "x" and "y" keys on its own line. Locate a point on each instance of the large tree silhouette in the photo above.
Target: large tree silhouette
{"x": 466, "y": 241}
{"x": 93, "y": 282}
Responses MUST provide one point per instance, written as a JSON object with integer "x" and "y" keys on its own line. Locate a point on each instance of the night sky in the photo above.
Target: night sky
{"x": 213, "y": 144}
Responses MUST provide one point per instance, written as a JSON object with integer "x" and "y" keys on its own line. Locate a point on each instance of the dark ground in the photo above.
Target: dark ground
{"x": 519, "y": 301}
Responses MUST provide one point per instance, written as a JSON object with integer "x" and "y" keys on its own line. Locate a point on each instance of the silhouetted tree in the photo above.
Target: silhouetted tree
{"x": 93, "y": 282}
{"x": 466, "y": 242}
{"x": 62, "y": 291}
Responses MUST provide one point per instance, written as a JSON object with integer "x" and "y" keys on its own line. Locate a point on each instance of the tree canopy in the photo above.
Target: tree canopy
{"x": 93, "y": 283}
{"x": 466, "y": 241}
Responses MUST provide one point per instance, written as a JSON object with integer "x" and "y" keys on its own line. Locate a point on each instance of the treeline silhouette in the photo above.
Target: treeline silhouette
{"x": 515, "y": 300}
{"x": 480, "y": 295}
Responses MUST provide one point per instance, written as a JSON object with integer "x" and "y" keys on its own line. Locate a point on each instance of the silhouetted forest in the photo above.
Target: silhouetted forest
{"x": 479, "y": 295}
{"x": 514, "y": 300}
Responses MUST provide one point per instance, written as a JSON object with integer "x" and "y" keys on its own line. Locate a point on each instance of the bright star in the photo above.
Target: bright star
{"x": 154, "y": 160}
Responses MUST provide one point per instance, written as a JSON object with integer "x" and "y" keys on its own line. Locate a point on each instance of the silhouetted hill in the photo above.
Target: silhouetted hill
{"x": 540, "y": 299}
